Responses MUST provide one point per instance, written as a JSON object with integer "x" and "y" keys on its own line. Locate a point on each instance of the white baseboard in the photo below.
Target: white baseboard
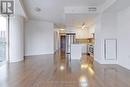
{"x": 124, "y": 66}
{"x": 16, "y": 60}
{"x": 106, "y": 61}
{"x": 38, "y": 54}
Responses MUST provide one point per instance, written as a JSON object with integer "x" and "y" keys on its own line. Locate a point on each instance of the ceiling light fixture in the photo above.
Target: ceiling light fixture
{"x": 62, "y": 29}
{"x": 83, "y": 26}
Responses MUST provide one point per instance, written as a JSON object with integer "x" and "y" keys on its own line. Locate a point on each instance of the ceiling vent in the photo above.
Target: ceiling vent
{"x": 80, "y": 10}
{"x": 92, "y": 9}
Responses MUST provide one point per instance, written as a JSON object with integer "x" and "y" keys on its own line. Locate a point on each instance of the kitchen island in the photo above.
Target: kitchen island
{"x": 77, "y": 50}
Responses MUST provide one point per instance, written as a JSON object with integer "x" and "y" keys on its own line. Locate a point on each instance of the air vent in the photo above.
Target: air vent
{"x": 92, "y": 9}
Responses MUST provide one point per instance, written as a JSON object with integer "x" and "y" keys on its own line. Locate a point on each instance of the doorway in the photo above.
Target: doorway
{"x": 63, "y": 43}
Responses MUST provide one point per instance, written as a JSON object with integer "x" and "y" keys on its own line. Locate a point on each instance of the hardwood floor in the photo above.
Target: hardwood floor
{"x": 56, "y": 71}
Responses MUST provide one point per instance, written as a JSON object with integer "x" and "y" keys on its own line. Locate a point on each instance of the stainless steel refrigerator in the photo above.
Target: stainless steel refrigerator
{"x": 70, "y": 39}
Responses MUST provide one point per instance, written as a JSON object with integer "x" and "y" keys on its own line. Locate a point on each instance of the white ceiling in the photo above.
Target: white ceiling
{"x": 118, "y": 6}
{"x": 79, "y": 19}
{"x": 54, "y": 11}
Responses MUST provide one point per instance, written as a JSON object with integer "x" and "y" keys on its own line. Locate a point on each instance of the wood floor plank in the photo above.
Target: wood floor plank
{"x": 57, "y": 71}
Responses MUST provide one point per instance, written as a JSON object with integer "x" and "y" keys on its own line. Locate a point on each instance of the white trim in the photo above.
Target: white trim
{"x": 106, "y": 61}
{"x": 38, "y": 54}
{"x": 124, "y": 66}
{"x": 106, "y": 5}
{"x": 17, "y": 60}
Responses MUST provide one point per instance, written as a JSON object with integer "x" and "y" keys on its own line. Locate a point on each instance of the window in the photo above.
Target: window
{"x": 3, "y": 45}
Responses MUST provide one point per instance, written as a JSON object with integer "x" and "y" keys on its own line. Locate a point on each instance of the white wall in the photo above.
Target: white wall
{"x": 98, "y": 40}
{"x": 16, "y": 41}
{"x": 19, "y": 10}
{"x": 109, "y": 25}
{"x": 114, "y": 25}
{"x": 106, "y": 28}
{"x": 39, "y": 38}
{"x": 123, "y": 38}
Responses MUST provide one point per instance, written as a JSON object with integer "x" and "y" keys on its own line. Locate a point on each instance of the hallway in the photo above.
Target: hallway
{"x": 56, "y": 71}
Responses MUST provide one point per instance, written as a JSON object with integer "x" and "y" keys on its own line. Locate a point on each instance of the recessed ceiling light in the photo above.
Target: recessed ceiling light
{"x": 37, "y": 9}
